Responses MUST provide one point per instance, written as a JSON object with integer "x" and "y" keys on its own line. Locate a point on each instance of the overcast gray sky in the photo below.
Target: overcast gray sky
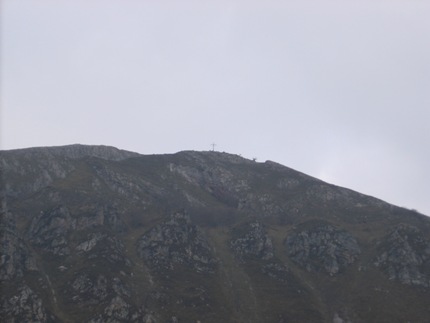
{"x": 339, "y": 90}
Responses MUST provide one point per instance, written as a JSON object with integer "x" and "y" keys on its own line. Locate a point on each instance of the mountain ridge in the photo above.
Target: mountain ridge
{"x": 98, "y": 234}
{"x": 78, "y": 151}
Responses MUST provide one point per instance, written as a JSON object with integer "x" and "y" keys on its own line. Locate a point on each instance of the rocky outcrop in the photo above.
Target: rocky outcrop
{"x": 80, "y": 151}
{"x": 88, "y": 289}
{"x": 76, "y": 151}
{"x": 207, "y": 171}
{"x": 125, "y": 185}
{"x": 177, "y": 241}
{"x": 22, "y": 177}
{"x": 15, "y": 257}
{"x": 111, "y": 293}
{"x": 54, "y": 163}
{"x": 264, "y": 204}
{"x": 49, "y": 230}
{"x": 24, "y": 306}
{"x": 404, "y": 255}
{"x": 118, "y": 310}
{"x": 322, "y": 248}
{"x": 111, "y": 249}
{"x": 251, "y": 241}
{"x": 91, "y": 242}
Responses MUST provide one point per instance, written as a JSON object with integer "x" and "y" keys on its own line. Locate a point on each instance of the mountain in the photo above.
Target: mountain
{"x": 97, "y": 234}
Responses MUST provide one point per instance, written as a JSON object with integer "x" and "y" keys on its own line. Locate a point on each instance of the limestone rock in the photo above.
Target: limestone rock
{"x": 15, "y": 258}
{"x": 54, "y": 163}
{"x": 118, "y": 310}
{"x": 251, "y": 240}
{"x": 89, "y": 244}
{"x": 49, "y": 230}
{"x": 177, "y": 241}
{"x": 404, "y": 255}
{"x": 99, "y": 245}
{"x": 323, "y": 248}
{"x": 24, "y": 306}
{"x": 89, "y": 289}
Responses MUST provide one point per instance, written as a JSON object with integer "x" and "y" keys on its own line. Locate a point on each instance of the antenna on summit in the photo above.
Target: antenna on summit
{"x": 213, "y": 146}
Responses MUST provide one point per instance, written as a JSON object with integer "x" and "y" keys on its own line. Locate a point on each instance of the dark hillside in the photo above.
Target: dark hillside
{"x": 97, "y": 234}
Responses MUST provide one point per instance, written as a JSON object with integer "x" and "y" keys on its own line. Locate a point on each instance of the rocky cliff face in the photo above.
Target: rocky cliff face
{"x": 16, "y": 259}
{"x": 176, "y": 242}
{"x": 323, "y": 248}
{"x": 404, "y": 255}
{"x": 96, "y": 234}
{"x": 52, "y": 163}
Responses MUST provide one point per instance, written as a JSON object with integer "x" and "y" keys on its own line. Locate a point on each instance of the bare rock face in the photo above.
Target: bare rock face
{"x": 49, "y": 230}
{"x": 117, "y": 311}
{"x": 93, "y": 289}
{"x": 91, "y": 242}
{"x": 78, "y": 151}
{"x": 53, "y": 163}
{"x": 252, "y": 241}
{"x": 87, "y": 289}
{"x": 264, "y": 203}
{"x": 216, "y": 180}
{"x": 15, "y": 258}
{"x": 177, "y": 241}
{"x": 404, "y": 255}
{"x": 323, "y": 249}
{"x": 24, "y": 306}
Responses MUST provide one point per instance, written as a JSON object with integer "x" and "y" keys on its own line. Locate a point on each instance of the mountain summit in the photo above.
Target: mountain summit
{"x": 98, "y": 234}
